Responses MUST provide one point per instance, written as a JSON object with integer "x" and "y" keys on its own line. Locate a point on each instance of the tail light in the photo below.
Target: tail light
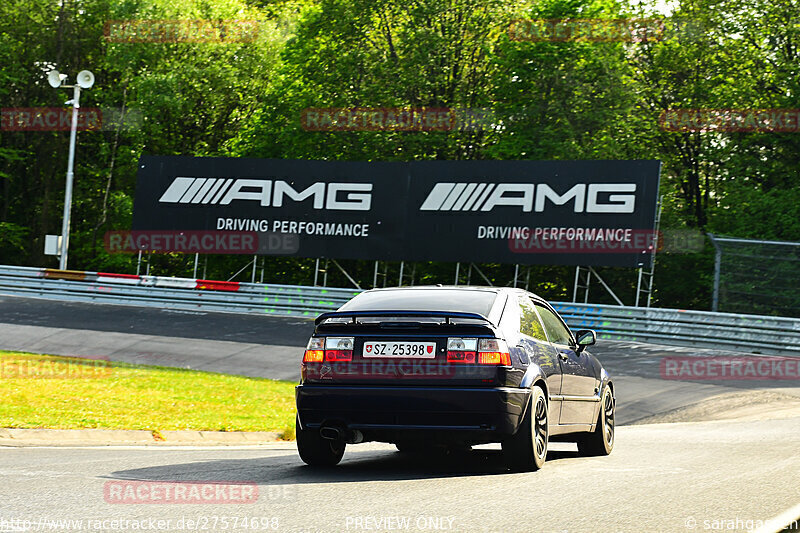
{"x": 493, "y": 352}
{"x": 481, "y": 351}
{"x": 315, "y": 351}
{"x": 321, "y": 349}
{"x": 461, "y": 350}
{"x": 339, "y": 348}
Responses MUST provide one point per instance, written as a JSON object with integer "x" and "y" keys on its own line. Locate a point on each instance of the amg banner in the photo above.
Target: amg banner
{"x": 529, "y": 212}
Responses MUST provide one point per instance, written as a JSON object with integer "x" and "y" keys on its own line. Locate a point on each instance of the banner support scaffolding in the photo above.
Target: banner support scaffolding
{"x": 589, "y": 272}
{"x": 244, "y": 267}
{"x": 645, "y": 282}
{"x": 354, "y": 282}
{"x": 481, "y": 273}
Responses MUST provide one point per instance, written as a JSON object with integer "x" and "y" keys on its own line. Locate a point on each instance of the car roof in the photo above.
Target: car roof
{"x": 497, "y": 307}
{"x": 482, "y": 288}
{"x": 438, "y": 288}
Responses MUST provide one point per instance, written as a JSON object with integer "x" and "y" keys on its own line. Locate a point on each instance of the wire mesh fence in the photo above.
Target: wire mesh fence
{"x": 757, "y": 277}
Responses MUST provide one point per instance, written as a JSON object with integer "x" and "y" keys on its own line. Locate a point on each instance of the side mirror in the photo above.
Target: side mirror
{"x": 584, "y": 338}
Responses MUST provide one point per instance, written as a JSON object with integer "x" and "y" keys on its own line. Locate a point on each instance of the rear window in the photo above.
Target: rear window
{"x": 464, "y": 301}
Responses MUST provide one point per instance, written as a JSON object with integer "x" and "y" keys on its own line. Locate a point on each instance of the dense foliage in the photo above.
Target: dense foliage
{"x": 549, "y": 100}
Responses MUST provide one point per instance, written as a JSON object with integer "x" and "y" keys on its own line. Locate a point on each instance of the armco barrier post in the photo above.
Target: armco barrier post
{"x": 717, "y": 265}
{"x": 720, "y": 331}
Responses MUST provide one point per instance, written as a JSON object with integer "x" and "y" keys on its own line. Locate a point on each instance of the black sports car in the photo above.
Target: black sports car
{"x": 451, "y": 367}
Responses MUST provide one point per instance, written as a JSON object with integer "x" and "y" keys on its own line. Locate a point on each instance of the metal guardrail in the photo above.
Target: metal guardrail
{"x": 748, "y": 333}
{"x": 173, "y": 293}
{"x": 703, "y": 329}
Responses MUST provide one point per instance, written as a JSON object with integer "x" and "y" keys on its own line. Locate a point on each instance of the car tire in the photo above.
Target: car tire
{"x": 316, "y": 451}
{"x": 601, "y": 440}
{"x": 526, "y": 450}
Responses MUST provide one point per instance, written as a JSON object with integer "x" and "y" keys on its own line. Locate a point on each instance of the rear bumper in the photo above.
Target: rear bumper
{"x": 381, "y": 412}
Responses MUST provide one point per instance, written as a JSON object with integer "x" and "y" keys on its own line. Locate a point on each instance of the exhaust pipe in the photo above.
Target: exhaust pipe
{"x": 330, "y": 433}
{"x": 352, "y": 436}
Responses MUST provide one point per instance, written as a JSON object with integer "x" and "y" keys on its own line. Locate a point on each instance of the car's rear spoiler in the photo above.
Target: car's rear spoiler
{"x": 447, "y": 315}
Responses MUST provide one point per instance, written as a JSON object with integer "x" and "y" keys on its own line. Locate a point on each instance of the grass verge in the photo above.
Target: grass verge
{"x": 46, "y": 391}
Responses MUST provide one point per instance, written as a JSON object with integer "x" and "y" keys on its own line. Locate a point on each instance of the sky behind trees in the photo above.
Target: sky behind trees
{"x": 243, "y": 93}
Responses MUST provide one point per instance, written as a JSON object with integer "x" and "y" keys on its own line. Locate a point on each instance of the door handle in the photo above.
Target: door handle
{"x": 563, "y": 356}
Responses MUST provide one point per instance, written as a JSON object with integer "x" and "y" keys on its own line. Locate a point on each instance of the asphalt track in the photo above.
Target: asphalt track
{"x": 270, "y": 347}
{"x": 665, "y": 477}
{"x": 706, "y": 476}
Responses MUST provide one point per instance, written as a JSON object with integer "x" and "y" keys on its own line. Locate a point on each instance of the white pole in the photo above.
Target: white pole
{"x": 638, "y": 287}
{"x": 575, "y": 287}
{"x": 68, "y": 191}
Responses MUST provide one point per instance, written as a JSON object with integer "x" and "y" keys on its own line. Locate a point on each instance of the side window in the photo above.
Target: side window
{"x": 555, "y": 328}
{"x": 529, "y": 323}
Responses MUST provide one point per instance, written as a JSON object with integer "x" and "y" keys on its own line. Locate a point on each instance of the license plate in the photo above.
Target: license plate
{"x": 407, "y": 350}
